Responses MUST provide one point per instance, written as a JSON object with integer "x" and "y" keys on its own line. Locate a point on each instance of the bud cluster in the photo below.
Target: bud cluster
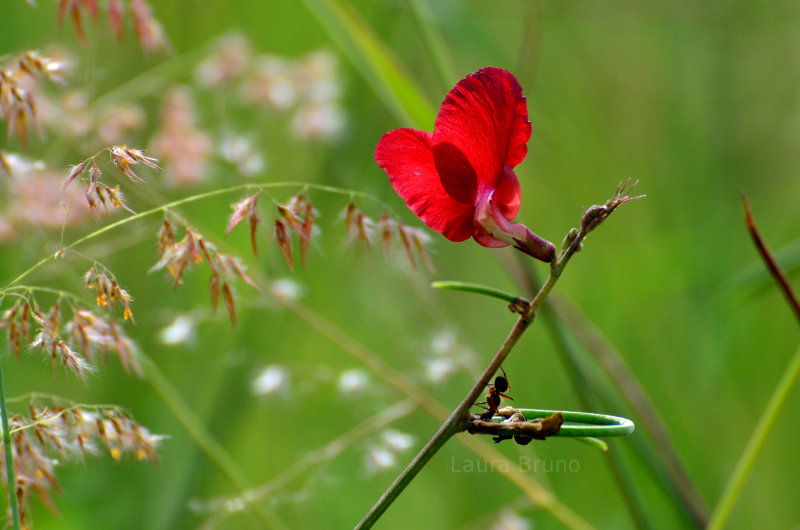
{"x": 18, "y": 102}
{"x": 98, "y": 193}
{"x": 52, "y": 434}
{"x": 93, "y": 334}
{"x": 147, "y": 29}
{"x": 362, "y": 229}
{"x": 177, "y": 256}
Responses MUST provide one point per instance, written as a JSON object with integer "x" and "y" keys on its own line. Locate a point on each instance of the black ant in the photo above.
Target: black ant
{"x": 501, "y": 384}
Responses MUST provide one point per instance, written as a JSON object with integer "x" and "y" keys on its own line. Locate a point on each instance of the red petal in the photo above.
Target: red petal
{"x": 507, "y": 195}
{"x": 407, "y": 157}
{"x": 482, "y": 127}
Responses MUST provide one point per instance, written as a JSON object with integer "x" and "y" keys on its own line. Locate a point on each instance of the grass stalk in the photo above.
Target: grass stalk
{"x": 11, "y": 480}
{"x": 759, "y": 435}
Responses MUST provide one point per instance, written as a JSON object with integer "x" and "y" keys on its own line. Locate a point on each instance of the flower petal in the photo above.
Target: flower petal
{"x": 506, "y": 196}
{"x": 493, "y": 229}
{"x": 482, "y": 127}
{"x": 407, "y": 157}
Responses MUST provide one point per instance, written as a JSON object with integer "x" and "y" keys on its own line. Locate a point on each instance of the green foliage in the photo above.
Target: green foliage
{"x": 696, "y": 101}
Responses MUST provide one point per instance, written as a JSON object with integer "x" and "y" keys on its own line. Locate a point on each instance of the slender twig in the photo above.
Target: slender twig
{"x": 198, "y": 431}
{"x": 310, "y": 460}
{"x": 522, "y": 480}
{"x": 776, "y": 401}
{"x": 9, "y": 457}
{"x": 533, "y": 489}
{"x": 759, "y": 435}
{"x": 174, "y": 204}
{"x": 459, "y": 418}
{"x": 769, "y": 261}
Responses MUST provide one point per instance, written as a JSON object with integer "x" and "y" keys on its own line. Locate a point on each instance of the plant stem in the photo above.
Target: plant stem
{"x": 537, "y": 493}
{"x": 760, "y": 432}
{"x": 186, "y": 200}
{"x": 10, "y": 476}
{"x": 459, "y": 418}
{"x": 668, "y": 465}
{"x": 198, "y": 431}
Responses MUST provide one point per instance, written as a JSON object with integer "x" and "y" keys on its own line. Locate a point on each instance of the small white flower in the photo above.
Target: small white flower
{"x": 286, "y": 289}
{"x": 437, "y": 370}
{"x": 353, "y": 381}
{"x": 396, "y": 440}
{"x": 179, "y": 331}
{"x": 272, "y": 379}
{"x": 379, "y": 458}
{"x": 444, "y": 342}
{"x": 509, "y": 520}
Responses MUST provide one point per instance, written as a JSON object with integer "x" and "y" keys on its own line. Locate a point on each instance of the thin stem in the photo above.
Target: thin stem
{"x": 433, "y": 42}
{"x": 312, "y": 459}
{"x": 769, "y": 261}
{"x": 522, "y": 480}
{"x": 474, "y": 288}
{"x": 779, "y": 396}
{"x": 459, "y": 418}
{"x": 589, "y": 399}
{"x": 759, "y": 435}
{"x": 198, "y": 431}
{"x": 186, "y": 200}
{"x": 11, "y": 479}
{"x": 631, "y": 390}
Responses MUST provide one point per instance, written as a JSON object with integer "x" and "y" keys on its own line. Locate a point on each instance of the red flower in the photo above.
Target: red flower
{"x": 460, "y": 179}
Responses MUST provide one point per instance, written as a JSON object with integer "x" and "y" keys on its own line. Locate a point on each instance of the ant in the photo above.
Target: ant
{"x": 501, "y": 384}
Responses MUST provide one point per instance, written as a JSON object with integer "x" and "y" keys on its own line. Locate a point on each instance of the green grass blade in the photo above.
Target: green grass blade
{"x": 374, "y": 60}
{"x": 757, "y": 439}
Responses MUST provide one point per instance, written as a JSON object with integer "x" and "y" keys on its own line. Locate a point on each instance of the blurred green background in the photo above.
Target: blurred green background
{"x": 696, "y": 100}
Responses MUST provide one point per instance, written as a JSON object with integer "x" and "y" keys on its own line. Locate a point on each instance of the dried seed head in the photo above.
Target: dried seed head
{"x": 405, "y": 237}
{"x": 148, "y": 30}
{"x": 386, "y": 226}
{"x": 18, "y": 103}
{"x": 115, "y": 15}
{"x": 227, "y": 295}
{"x": 166, "y": 238}
{"x": 241, "y": 210}
{"x": 124, "y": 158}
{"x": 291, "y": 218}
{"x": 281, "y": 233}
{"x": 307, "y": 231}
{"x": 74, "y": 172}
{"x": 359, "y": 227}
{"x": 214, "y": 287}
{"x": 594, "y": 215}
{"x": 139, "y": 156}
{"x": 420, "y": 240}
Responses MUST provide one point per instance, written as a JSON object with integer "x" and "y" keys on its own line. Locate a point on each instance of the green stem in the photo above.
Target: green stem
{"x": 10, "y": 476}
{"x": 199, "y": 433}
{"x": 584, "y": 424}
{"x": 474, "y": 288}
{"x": 460, "y": 416}
{"x": 180, "y": 202}
{"x": 748, "y": 457}
{"x": 434, "y": 43}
